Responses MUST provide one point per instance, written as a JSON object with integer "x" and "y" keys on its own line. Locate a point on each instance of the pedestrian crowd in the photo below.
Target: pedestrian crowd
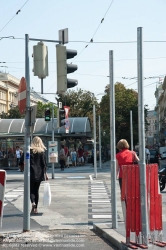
{"x": 78, "y": 157}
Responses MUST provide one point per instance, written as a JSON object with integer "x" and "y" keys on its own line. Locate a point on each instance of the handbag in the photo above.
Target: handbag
{"x": 46, "y": 194}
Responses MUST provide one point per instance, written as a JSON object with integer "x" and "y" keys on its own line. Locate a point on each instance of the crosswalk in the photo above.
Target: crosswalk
{"x": 13, "y": 195}
{"x": 99, "y": 203}
{"x": 96, "y": 194}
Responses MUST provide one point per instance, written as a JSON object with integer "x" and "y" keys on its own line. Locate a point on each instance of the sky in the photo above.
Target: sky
{"x": 42, "y": 19}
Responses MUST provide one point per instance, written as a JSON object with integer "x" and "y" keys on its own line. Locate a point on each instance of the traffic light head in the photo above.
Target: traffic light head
{"x": 63, "y": 69}
{"x": 40, "y": 60}
{"x": 60, "y": 117}
{"x": 47, "y": 115}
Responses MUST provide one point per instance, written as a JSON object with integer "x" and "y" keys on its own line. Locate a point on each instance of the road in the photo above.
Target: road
{"x": 78, "y": 201}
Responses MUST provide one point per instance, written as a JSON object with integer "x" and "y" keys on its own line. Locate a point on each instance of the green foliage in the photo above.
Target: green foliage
{"x": 41, "y": 109}
{"x": 80, "y": 103}
{"x": 14, "y": 113}
{"x": 125, "y": 100}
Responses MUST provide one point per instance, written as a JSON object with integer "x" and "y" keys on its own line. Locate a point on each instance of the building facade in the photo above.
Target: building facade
{"x": 151, "y": 132}
{"x": 9, "y": 93}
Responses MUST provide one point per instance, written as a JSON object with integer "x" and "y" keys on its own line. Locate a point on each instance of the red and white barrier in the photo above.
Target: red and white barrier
{"x": 131, "y": 204}
{"x": 2, "y": 192}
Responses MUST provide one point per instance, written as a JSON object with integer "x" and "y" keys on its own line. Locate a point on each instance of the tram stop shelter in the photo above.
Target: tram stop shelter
{"x": 12, "y": 134}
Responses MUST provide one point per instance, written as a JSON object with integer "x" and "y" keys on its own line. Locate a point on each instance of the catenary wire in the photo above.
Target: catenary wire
{"x": 14, "y": 16}
{"x": 91, "y": 40}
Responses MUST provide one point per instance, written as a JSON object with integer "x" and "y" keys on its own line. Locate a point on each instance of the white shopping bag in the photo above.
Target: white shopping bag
{"x": 47, "y": 194}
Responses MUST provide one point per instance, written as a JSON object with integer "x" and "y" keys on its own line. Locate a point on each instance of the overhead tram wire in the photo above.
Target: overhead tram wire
{"x": 91, "y": 41}
{"x": 14, "y": 16}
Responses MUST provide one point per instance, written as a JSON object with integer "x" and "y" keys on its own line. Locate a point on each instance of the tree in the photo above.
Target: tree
{"x": 41, "y": 109}
{"x": 125, "y": 100}
{"x": 14, "y": 113}
{"x": 80, "y": 103}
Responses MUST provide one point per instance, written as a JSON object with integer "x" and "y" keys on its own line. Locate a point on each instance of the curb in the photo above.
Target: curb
{"x": 111, "y": 235}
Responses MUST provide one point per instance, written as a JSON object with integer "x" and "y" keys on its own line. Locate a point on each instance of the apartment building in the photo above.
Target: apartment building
{"x": 151, "y": 132}
{"x": 9, "y": 93}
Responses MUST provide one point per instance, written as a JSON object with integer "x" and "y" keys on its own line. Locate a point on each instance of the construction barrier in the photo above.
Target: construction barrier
{"x": 131, "y": 204}
{"x": 2, "y": 192}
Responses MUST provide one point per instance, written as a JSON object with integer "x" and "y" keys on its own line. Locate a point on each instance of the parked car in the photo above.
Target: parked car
{"x": 154, "y": 156}
{"x": 163, "y": 155}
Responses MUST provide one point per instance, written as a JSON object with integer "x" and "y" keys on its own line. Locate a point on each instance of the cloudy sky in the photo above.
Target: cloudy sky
{"x": 42, "y": 19}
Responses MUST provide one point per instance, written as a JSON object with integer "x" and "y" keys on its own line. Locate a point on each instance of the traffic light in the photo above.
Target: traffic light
{"x": 62, "y": 54}
{"x": 40, "y": 60}
{"x": 60, "y": 117}
{"x": 47, "y": 115}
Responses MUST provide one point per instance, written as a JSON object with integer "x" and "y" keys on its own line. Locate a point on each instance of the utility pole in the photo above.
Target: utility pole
{"x": 94, "y": 137}
{"x": 52, "y": 137}
{"x": 99, "y": 143}
{"x": 26, "y": 211}
{"x": 131, "y": 129}
{"x": 141, "y": 126}
{"x": 112, "y": 140}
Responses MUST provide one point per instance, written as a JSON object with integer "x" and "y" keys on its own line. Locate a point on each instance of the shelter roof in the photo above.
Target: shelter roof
{"x": 79, "y": 127}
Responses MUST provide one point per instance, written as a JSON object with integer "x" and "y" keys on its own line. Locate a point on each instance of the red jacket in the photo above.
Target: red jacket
{"x": 124, "y": 157}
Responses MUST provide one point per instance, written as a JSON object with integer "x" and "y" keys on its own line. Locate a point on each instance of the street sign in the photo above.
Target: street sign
{"x": 63, "y": 35}
{"x": 67, "y": 123}
{"x": 22, "y": 95}
{"x": 2, "y": 193}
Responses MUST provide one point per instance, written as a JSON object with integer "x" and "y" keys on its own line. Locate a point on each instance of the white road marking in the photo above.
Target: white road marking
{"x": 102, "y": 216}
{"x": 11, "y": 195}
{"x": 100, "y": 201}
{"x": 76, "y": 177}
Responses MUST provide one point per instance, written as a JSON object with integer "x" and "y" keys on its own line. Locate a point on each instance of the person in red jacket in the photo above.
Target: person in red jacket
{"x": 124, "y": 157}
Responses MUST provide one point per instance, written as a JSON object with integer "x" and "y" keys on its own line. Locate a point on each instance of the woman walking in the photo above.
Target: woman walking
{"x": 37, "y": 170}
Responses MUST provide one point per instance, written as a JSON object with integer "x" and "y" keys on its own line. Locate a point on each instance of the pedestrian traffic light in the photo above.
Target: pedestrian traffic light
{"x": 40, "y": 60}
{"x": 60, "y": 117}
{"x": 47, "y": 115}
{"x": 62, "y": 54}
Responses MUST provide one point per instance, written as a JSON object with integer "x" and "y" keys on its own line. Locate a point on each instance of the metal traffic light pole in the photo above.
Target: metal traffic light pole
{"x": 112, "y": 140}
{"x": 26, "y": 209}
{"x": 52, "y": 137}
{"x": 26, "y": 206}
{"x": 141, "y": 126}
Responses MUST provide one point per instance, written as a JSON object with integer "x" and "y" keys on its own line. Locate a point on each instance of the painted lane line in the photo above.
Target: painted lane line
{"x": 18, "y": 190}
{"x": 76, "y": 177}
{"x": 103, "y": 210}
{"x": 11, "y": 195}
{"x": 99, "y": 191}
{"x": 102, "y": 216}
{"x": 100, "y": 201}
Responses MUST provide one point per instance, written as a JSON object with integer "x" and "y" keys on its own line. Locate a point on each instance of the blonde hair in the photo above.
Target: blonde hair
{"x": 37, "y": 145}
{"x": 122, "y": 144}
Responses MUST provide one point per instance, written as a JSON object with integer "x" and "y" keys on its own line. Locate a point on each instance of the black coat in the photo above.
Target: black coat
{"x": 37, "y": 166}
